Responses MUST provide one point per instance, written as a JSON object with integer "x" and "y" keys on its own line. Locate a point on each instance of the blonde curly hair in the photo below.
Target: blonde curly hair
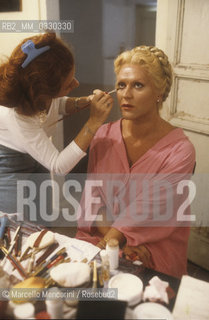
{"x": 155, "y": 61}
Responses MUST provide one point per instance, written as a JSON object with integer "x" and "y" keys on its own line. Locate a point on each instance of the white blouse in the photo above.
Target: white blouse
{"x": 31, "y": 135}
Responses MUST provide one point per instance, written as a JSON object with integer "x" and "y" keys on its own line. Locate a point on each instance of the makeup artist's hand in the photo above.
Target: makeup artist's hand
{"x": 83, "y": 102}
{"x": 101, "y": 105}
{"x": 97, "y": 91}
{"x": 139, "y": 253}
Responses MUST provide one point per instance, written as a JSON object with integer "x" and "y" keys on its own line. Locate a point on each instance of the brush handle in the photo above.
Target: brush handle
{"x": 3, "y": 226}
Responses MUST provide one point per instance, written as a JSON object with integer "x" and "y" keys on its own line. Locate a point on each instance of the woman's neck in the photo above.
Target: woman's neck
{"x": 142, "y": 130}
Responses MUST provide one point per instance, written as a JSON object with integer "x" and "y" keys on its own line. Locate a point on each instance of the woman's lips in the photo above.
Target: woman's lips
{"x": 127, "y": 106}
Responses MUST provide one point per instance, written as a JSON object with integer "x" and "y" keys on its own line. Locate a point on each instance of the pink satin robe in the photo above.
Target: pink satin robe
{"x": 173, "y": 158}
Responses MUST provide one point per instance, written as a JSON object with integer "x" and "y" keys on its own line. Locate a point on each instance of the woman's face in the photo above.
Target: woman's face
{"x": 136, "y": 93}
{"x": 69, "y": 84}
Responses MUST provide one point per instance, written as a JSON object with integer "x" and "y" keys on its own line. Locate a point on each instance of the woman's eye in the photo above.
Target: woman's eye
{"x": 121, "y": 85}
{"x": 138, "y": 85}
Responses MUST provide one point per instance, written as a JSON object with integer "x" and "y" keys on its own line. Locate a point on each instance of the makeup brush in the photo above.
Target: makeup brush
{"x": 94, "y": 275}
{"x": 112, "y": 91}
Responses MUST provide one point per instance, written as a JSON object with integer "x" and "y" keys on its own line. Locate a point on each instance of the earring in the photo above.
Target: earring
{"x": 158, "y": 100}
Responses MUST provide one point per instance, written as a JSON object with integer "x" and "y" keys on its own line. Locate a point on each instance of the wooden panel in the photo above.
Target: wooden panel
{"x": 189, "y": 101}
{"x": 189, "y": 104}
{"x": 190, "y": 94}
{"x": 194, "y": 49}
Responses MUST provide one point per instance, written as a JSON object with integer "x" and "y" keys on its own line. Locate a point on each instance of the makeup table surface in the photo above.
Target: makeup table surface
{"x": 84, "y": 249}
{"x": 145, "y": 275}
{"x": 190, "y": 292}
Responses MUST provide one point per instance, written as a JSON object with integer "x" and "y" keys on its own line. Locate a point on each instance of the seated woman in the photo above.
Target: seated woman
{"x": 148, "y": 157}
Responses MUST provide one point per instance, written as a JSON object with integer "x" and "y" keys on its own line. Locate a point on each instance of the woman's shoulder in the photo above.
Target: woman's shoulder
{"x": 177, "y": 136}
{"x": 108, "y": 129}
{"x": 184, "y": 144}
{"x": 177, "y": 152}
{"x": 176, "y": 144}
{"x": 171, "y": 135}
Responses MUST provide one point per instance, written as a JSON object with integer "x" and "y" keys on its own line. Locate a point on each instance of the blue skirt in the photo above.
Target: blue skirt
{"x": 14, "y": 167}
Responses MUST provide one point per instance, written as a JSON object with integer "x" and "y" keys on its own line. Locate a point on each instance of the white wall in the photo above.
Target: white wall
{"x": 9, "y": 40}
{"x": 31, "y": 10}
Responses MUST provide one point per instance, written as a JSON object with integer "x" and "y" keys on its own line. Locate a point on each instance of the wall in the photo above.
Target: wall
{"x": 11, "y": 39}
{"x": 145, "y": 25}
{"x": 86, "y": 39}
{"x": 118, "y": 34}
{"x": 31, "y": 10}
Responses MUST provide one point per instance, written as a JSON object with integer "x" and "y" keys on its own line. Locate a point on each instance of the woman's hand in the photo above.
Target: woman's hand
{"x": 139, "y": 253}
{"x": 101, "y": 244}
{"x": 112, "y": 234}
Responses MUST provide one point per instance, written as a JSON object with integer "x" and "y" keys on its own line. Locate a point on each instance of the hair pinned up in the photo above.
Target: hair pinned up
{"x": 29, "y": 48}
{"x": 154, "y": 60}
{"x": 28, "y": 89}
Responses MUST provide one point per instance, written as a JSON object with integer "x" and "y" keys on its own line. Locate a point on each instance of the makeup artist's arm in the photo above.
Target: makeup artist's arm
{"x": 74, "y": 104}
{"x": 100, "y": 107}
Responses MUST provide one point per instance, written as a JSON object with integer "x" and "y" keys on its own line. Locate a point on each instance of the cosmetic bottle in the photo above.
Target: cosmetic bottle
{"x": 105, "y": 269}
{"x": 25, "y": 311}
{"x": 112, "y": 249}
{"x": 54, "y": 304}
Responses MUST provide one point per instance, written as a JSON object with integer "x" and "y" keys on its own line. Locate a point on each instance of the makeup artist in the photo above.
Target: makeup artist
{"x": 141, "y": 152}
{"x": 34, "y": 82}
